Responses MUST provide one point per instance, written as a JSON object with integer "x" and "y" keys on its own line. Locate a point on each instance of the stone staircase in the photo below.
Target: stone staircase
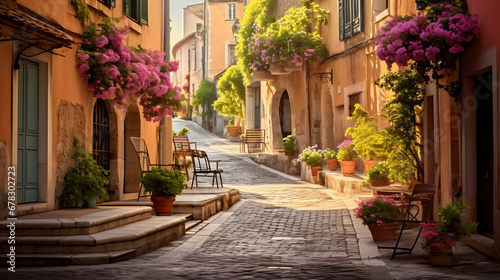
{"x": 90, "y": 236}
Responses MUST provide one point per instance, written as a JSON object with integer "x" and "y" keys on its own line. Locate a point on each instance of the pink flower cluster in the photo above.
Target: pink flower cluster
{"x": 112, "y": 70}
{"x": 445, "y": 29}
{"x": 344, "y": 144}
{"x": 434, "y": 237}
{"x": 378, "y": 210}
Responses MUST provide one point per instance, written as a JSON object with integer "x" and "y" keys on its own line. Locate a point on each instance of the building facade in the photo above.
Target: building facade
{"x": 45, "y": 104}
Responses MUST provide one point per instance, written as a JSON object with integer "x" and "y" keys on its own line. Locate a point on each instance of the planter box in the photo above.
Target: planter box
{"x": 264, "y": 76}
{"x": 277, "y": 68}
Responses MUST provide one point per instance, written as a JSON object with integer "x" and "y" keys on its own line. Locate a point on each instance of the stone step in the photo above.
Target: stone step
{"x": 70, "y": 259}
{"x": 75, "y": 221}
{"x": 143, "y": 236}
{"x": 191, "y": 224}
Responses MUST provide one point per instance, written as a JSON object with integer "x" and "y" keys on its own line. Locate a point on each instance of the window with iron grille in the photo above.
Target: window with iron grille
{"x": 137, "y": 10}
{"x": 111, "y": 3}
{"x": 100, "y": 137}
{"x": 350, "y": 18}
{"x": 353, "y": 100}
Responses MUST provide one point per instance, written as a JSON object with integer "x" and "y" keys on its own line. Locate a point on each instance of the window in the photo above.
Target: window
{"x": 231, "y": 12}
{"x": 111, "y": 3}
{"x": 137, "y": 10}
{"x": 231, "y": 54}
{"x": 189, "y": 60}
{"x": 100, "y": 138}
{"x": 350, "y": 18}
{"x": 380, "y": 9}
{"x": 353, "y": 100}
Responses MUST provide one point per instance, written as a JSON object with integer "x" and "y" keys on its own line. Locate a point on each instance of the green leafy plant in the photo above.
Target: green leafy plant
{"x": 378, "y": 210}
{"x": 164, "y": 182}
{"x": 404, "y": 139}
{"x": 330, "y": 154}
{"x": 82, "y": 13}
{"x": 183, "y": 132}
{"x": 231, "y": 101}
{"x": 450, "y": 228}
{"x": 312, "y": 156}
{"x": 84, "y": 179}
{"x": 368, "y": 140}
{"x": 289, "y": 143}
{"x": 204, "y": 97}
{"x": 230, "y": 122}
{"x": 379, "y": 171}
{"x": 346, "y": 151}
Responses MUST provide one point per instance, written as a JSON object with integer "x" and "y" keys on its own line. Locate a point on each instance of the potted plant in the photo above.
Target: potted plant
{"x": 233, "y": 130}
{"x": 164, "y": 185}
{"x": 380, "y": 214}
{"x": 370, "y": 142}
{"x": 289, "y": 145}
{"x": 313, "y": 157}
{"x": 331, "y": 159}
{"x": 347, "y": 157}
{"x": 440, "y": 237}
{"x": 377, "y": 176}
{"x": 85, "y": 180}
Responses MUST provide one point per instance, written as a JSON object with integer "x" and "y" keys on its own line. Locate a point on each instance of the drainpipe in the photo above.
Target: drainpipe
{"x": 162, "y": 149}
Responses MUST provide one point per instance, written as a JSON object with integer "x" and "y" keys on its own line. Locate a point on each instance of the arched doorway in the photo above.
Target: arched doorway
{"x": 132, "y": 128}
{"x": 285, "y": 115}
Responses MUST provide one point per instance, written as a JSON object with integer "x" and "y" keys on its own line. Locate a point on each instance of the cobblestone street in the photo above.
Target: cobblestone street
{"x": 282, "y": 228}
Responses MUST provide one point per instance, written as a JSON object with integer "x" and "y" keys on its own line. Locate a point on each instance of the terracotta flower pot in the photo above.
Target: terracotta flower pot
{"x": 233, "y": 130}
{"x": 384, "y": 231}
{"x": 289, "y": 153}
{"x": 314, "y": 172}
{"x": 163, "y": 206}
{"x": 442, "y": 256}
{"x": 332, "y": 163}
{"x": 380, "y": 182}
{"x": 370, "y": 163}
{"x": 348, "y": 167}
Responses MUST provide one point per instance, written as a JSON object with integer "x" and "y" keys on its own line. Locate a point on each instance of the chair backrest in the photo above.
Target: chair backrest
{"x": 255, "y": 135}
{"x": 141, "y": 150}
{"x": 200, "y": 160}
{"x": 182, "y": 144}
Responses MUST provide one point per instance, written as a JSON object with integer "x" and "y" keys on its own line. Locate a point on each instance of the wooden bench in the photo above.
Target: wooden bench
{"x": 253, "y": 136}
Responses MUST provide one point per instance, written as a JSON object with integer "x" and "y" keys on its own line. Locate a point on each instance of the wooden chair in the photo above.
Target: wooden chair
{"x": 183, "y": 148}
{"x": 425, "y": 194}
{"x": 253, "y": 136}
{"x": 145, "y": 164}
{"x": 203, "y": 168}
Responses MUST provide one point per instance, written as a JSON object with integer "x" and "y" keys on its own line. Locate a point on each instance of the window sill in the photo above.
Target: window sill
{"x": 380, "y": 16}
{"x": 132, "y": 24}
{"x": 100, "y": 7}
{"x": 228, "y": 19}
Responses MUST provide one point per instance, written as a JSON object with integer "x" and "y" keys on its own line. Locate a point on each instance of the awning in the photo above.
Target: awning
{"x": 35, "y": 33}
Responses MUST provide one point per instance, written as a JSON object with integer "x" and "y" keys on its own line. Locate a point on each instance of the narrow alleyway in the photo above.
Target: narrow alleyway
{"x": 281, "y": 229}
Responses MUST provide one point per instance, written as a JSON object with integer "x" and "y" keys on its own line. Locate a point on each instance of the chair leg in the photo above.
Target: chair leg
{"x": 192, "y": 180}
{"x": 139, "y": 194}
{"x": 399, "y": 238}
{"x": 220, "y": 176}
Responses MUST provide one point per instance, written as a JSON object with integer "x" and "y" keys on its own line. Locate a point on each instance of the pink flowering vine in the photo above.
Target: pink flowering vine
{"x": 112, "y": 70}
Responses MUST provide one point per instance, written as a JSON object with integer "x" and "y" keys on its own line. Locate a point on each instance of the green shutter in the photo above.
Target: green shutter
{"x": 144, "y": 12}
{"x": 128, "y": 5}
{"x": 357, "y": 16}
{"x": 341, "y": 20}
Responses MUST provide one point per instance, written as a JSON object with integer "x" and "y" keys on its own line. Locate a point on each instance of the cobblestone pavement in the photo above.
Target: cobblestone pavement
{"x": 281, "y": 229}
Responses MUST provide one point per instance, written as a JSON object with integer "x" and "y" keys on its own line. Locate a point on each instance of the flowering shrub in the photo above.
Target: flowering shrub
{"x": 112, "y": 70}
{"x": 346, "y": 151}
{"x": 449, "y": 229}
{"x": 330, "y": 154}
{"x": 445, "y": 28}
{"x": 379, "y": 209}
{"x": 312, "y": 156}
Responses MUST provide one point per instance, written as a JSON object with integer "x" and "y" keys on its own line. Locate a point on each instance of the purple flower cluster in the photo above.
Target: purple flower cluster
{"x": 379, "y": 209}
{"x": 434, "y": 237}
{"x": 444, "y": 28}
{"x": 112, "y": 70}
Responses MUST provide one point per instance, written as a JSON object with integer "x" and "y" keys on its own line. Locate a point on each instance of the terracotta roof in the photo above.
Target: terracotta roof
{"x": 196, "y": 9}
{"x": 33, "y": 26}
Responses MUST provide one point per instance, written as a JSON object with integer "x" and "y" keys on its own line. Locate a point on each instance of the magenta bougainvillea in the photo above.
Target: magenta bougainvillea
{"x": 443, "y": 30}
{"x": 112, "y": 70}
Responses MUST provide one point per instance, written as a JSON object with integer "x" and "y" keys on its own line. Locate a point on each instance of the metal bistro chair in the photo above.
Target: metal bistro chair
{"x": 202, "y": 168}
{"x": 145, "y": 164}
{"x": 183, "y": 148}
{"x": 425, "y": 194}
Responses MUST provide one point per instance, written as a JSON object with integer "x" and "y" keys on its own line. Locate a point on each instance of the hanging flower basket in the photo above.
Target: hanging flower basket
{"x": 278, "y": 68}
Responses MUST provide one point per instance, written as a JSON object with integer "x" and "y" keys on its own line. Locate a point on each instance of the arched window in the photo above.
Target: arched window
{"x": 285, "y": 115}
{"x": 100, "y": 140}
